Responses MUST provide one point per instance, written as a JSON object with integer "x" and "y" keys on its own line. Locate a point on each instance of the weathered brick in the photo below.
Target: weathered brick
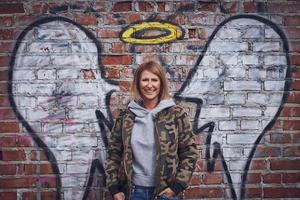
{"x": 212, "y": 179}
{"x": 9, "y": 127}
{"x": 274, "y": 192}
{"x": 290, "y": 177}
{"x": 284, "y": 164}
{"x": 272, "y": 178}
{"x": 8, "y": 141}
{"x": 253, "y": 192}
{"x": 16, "y": 155}
{"x": 24, "y": 182}
{"x": 8, "y": 169}
{"x": 11, "y": 8}
{"x": 8, "y": 195}
{"x": 124, "y": 6}
{"x": 116, "y": 60}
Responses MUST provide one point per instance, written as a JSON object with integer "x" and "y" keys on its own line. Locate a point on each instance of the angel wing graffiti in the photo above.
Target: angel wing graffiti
{"x": 55, "y": 97}
{"x": 238, "y": 81}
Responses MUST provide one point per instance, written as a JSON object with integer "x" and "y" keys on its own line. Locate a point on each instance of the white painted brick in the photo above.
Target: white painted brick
{"x": 227, "y": 125}
{"x": 215, "y": 112}
{"x": 229, "y": 59}
{"x": 34, "y": 89}
{"x": 257, "y": 74}
{"x": 208, "y": 60}
{"x": 23, "y": 75}
{"x": 247, "y": 112}
{"x": 23, "y": 101}
{"x": 250, "y": 59}
{"x": 185, "y": 60}
{"x": 67, "y": 74}
{"x": 39, "y": 47}
{"x": 83, "y": 47}
{"x": 235, "y": 98}
{"x": 88, "y": 101}
{"x": 275, "y": 60}
{"x": 46, "y": 74}
{"x": 50, "y": 140}
{"x": 275, "y": 99}
{"x": 214, "y": 99}
{"x": 232, "y": 152}
{"x": 253, "y": 33}
{"x": 52, "y": 128}
{"x": 242, "y": 85}
{"x": 237, "y": 165}
{"x": 211, "y": 73}
{"x": 61, "y": 47}
{"x": 200, "y": 19}
{"x": 32, "y": 61}
{"x": 243, "y": 138}
{"x": 235, "y": 72}
{"x": 271, "y": 111}
{"x": 257, "y": 98}
{"x": 250, "y": 125}
{"x": 274, "y": 85}
{"x": 245, "y": 22}
{"x": 77, "y": 168}
{"x": 270, "y": 33}
{"x": 228, "y": 46}
{"x": 266, "y": 46}
{"x": 75, "y": 127}
{"x": 83, "y": 114}
{"x": 229, "y": 33}
{"x": 82, "y": 155}
{"x": 61, "y": 155}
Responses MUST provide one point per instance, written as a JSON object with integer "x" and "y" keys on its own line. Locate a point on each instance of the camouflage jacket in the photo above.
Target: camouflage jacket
{"x": 176, "y": 156}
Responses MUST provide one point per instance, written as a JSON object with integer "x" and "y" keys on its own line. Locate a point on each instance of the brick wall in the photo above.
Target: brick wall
{"x": 66, "y": 67}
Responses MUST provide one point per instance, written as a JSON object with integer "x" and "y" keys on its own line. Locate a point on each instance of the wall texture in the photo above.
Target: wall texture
{"x": 65, "y": 71}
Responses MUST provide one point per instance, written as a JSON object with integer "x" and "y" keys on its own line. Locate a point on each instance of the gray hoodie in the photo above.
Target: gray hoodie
{"x": 143, "y": 142}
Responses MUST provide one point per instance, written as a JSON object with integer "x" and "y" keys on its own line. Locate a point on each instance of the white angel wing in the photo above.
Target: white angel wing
{"x": 240, "y": 81}
{"x": 56, "y": 86}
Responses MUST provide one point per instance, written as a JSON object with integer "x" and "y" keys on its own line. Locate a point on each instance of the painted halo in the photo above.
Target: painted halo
{"x": 171, "y": 32}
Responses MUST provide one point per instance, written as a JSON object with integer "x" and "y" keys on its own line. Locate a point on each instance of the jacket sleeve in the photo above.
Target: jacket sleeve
{"x": 114, "y": 157}
{"x": 188, "y": 152}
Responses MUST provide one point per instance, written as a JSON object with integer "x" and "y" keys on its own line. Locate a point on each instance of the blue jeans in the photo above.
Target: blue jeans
{"x": 146, "y": 193}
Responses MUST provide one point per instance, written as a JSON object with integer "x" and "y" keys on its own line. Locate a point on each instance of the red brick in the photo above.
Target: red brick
{"x": 292, "y": 32}
{"x": 285, "y": 164}
{"x": 292, "y": 20}
{"x": 185, "y": 6}
{"x": 8, "y": 195}
{"x": 290, "y": 112}
{"x": 9, "y": 127}
{"x": 116, "y": 60}
{"x": 258, "y": 164}
{"x": 13, "y": 155}
{"x": 253, "y": 192}
{"x": 230, "y": 7}
{"x": 145, "y": 6}
{"x": 11, "y": 8}
{"x": 48, "y": 181}
{"x": 291, "y": 178}
{"x": 8, "y": 141}
{"x": 44, "y": 195}
{"x": 212, "y": 179}
{"x": 296, "y": 73}
{"x": 296, "y": 85}
{"x": 118, "y": 47}
{"x": 6, "y": 21}
{"x": 3, "y": 88}
{"x": 196, "y": 180}
{"x": 293, "y": 97}
{"x": 192, "y": 33}
{"x": 4, "y": 61}
{"x": 277, "y": 125}
{"x": 7, "y": 114}
{"x": 253, "y": 178}
{"x": 5, "y": 47}
{"x": 25, "y": 182}
{"x": 25, "y": 141}
{"x": 108, "y": 33}
{"x": 207, "y": 7}
{"x": 8, "y": 169}
{"x": 204, "y": 193}
{"x": 39, "y": 8}
{"x": 100, "y": 6}
{"x": 295, "y": 46}
{"x": 46, "y": 168}
{"x": 34, "y": 156}
{"x": 8, "y": 34}
{"x": 124, "y": 6}
{"x": 271, "y": 178}
{"x": 125, "y": 85}
{"x": 112, "y": 73}
{"x": 283, "y": 7}
{"x": 281, "y": 192}
{"x": 249, "y": 7}
{"x": 4, "y": 101}
{"x": 267, "y": 151}
{"x": 131, "y": 18}
{"x": 291, "y": 125}
{"x": 280, "y": 138}
{"x": 86, "y": 20}
{"x": 295, "y": 59}
{"x": 296, "y": 138}
{"x": 291, "y": 151}
{"x": 161, "y": 6}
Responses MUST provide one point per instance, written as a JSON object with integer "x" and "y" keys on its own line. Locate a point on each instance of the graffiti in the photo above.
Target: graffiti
{"x": 237, "y": 82}
{"x": 136, "y": 34}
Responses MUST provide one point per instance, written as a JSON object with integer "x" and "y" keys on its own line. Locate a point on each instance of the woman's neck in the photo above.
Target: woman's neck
{"x": 149, "y": 105}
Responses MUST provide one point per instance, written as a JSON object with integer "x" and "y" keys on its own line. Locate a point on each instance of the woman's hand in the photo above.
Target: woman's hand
{"x": 119, "y": 196}
{"x": 168, "y": 192}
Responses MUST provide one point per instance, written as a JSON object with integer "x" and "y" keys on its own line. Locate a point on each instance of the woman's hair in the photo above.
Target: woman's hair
{"x": 156, "y": 69}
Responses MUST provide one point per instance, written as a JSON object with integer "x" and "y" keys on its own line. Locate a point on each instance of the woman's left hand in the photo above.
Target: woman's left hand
{"x": 168, "y": 192}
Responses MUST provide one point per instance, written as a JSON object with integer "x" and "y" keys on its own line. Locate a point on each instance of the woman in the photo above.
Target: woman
{"x": 152, "y": 150}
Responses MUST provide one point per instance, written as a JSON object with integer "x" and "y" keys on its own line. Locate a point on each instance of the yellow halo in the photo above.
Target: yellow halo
{"x": 174, "y": 32}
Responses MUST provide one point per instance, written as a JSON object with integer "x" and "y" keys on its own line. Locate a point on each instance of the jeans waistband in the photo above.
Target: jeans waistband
{"x": 143, "y": 187}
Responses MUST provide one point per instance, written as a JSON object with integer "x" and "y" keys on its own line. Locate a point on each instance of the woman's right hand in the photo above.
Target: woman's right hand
{"x": 119, "y": 196}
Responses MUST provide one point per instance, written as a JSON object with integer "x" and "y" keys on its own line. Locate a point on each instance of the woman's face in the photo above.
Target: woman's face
{"x": 149, "y": 86}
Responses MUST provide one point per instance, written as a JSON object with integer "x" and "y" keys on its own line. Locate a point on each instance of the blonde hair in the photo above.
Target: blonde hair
{"x": 156, "y": 69}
